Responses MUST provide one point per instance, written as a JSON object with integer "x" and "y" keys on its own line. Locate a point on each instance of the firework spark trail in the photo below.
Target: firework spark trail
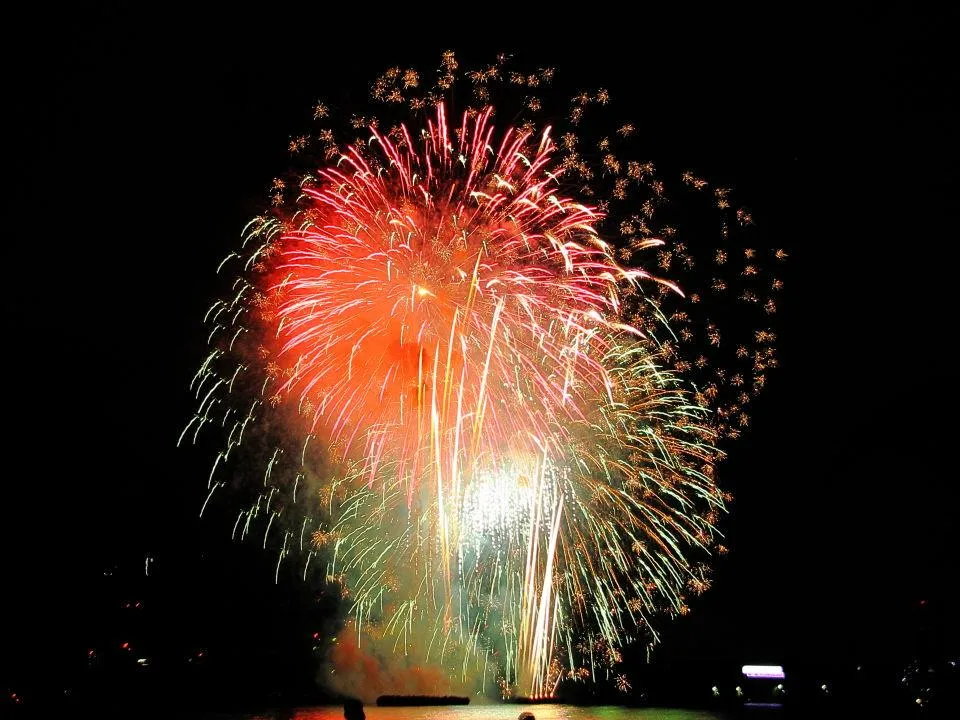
{"x": 586, "y": 541}
{"x": 437, "y": 347}
{"x": 395, "y": 280}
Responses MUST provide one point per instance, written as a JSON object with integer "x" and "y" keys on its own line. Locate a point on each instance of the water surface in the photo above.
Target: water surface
{"x": 487, "y": 712}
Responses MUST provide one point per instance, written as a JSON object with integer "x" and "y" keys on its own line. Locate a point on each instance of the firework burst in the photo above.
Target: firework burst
{"x": 466, "y": 395}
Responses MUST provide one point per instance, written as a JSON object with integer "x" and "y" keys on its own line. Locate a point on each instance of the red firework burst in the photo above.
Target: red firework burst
{"x": 427, "y": 293}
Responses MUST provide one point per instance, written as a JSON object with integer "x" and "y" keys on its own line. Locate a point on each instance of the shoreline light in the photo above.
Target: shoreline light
{"x": 772, "y": 672}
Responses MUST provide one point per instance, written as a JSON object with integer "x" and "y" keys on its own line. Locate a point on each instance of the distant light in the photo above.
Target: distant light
{"x": 772, "y": 672}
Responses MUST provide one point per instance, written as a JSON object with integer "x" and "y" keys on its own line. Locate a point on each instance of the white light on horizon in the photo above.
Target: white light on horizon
{"x": 772, "y": 672}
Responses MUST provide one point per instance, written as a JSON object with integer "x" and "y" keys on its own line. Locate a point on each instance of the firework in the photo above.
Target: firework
{"x": 451, "y": 376}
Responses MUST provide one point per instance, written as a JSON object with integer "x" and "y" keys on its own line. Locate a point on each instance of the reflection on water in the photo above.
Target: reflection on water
{"x": 490, "y": 712}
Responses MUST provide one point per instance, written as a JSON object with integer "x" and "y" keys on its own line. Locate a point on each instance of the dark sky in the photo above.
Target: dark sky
{"x": 141, "y": 140}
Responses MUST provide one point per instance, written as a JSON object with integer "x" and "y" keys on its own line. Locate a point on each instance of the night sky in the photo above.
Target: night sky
{"x": 142, "y": 141}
